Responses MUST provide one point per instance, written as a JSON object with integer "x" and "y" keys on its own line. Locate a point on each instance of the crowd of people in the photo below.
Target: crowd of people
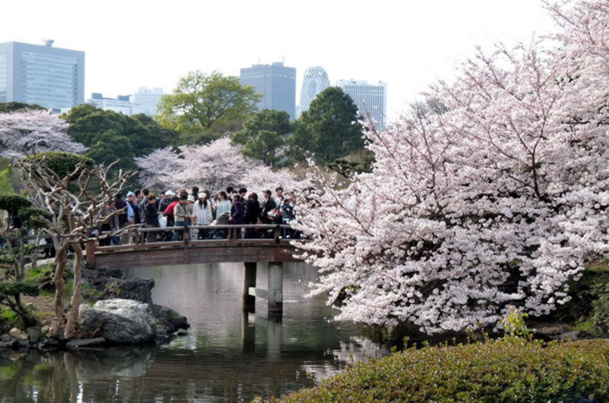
{"x": 179, "y": 211}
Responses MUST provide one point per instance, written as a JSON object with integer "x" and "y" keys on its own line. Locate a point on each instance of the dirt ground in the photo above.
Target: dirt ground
{"x": 42, "y": 307}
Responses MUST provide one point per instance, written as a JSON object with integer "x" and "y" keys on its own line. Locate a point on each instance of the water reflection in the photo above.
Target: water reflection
{"x": 230, "y": 354}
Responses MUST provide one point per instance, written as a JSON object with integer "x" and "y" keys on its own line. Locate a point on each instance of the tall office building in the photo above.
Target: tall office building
{"x": 51, "y": 77}
{"x": 371, "y": 100}
{"x": 314, "y": 82}
{"x": 276, "y": 83}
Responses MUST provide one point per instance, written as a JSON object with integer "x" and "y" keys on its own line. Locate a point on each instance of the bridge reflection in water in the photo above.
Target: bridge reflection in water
{"x": 208, "y": 364}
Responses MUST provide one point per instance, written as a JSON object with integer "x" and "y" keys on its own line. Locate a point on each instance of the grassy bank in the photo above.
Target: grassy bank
{"x": 505, "y": 370}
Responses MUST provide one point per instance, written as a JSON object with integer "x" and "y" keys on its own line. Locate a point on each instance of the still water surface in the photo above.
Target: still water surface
{"x": 228, "y": 355}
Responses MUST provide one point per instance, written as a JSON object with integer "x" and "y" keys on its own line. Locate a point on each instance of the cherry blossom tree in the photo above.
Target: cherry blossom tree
{"x": 213, "y": 166}
{"x": 259, "y": 178}
{"x": 498, "y": 202}
{"x": 32, "y": 131}
{"x": 157, "y": 170}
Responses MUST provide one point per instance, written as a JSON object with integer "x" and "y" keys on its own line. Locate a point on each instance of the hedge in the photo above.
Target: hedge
{"x": 505, "y": 370}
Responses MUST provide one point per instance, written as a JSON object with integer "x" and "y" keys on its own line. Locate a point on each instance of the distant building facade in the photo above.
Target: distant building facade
{"x": 121, "y": 103}
{"x": 51, "y": 77}
{"x": 314, "y": 82}
{"x": 148, "y": 99}
{"x": 276, "y": 83}
{"x": 371, "y": 99}
{"x": 144, "y": 101}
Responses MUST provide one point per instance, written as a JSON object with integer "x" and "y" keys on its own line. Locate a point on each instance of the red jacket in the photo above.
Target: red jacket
{"x": 169, "y": 209}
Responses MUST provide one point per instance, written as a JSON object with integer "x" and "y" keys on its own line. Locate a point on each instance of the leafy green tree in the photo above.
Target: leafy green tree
{"x": 264, "y": 136}
{"x": 113, "y": 136}
{"x": 203, "y": 102}
{"x": 6, "y": 174}
{"x": 154, "y": 137}
{"x": 111, "y": 146}
{"x": 8, "y": 107}
{"x": 329, "y": 129}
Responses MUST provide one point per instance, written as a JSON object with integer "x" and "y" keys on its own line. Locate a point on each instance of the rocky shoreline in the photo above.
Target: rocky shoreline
{"x": 122, "y": 313}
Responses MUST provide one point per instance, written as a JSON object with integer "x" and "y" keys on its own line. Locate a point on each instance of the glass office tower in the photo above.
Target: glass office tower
{"x": 276, "y": 83}
{"x": 314, "y": 82}
{"x": 51, "y": 77}
{"x": 371, "y": 99}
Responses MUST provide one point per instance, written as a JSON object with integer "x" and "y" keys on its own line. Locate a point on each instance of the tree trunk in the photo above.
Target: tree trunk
{"x": 60, "y": 284}
{"x": 76, "y": 295}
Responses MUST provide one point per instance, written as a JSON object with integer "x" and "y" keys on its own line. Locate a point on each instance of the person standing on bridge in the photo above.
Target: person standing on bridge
{"x": 268, "y": 204}
{"x": 151, "y": 218}
{"x": 181, "y": 215}
{"x": 237, "y": 214}
{"x": 223, "y": 210}
{"x": 252, "y": 211}
{"x": 165, "y": 201}
{"x": 202, "y": 214}
{"x": 109, "y": 225}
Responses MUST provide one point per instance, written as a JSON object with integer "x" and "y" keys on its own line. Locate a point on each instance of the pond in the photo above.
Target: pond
{"x": 229, "y": 354}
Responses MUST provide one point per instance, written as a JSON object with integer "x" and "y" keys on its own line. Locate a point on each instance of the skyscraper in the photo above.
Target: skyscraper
{"x": 314, "y": 82}
{"x": 371, "y": 100}
{"x": 276, "y": 83}
{"x": 51, "y": 77}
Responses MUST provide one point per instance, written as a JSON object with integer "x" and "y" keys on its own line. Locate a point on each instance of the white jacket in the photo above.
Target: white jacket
{"x": 203, "y": 214}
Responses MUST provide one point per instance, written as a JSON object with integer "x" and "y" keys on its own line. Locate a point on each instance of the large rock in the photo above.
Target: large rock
{"x": 118, "y": 321}
{"x": 18, "y": 334}
{"x": 137, "y": 289}
{"x": 111, "y": 283}
{"x": 167, "y": 320}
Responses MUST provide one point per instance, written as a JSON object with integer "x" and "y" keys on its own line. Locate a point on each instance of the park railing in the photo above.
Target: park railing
{"x": 139, "y": 237}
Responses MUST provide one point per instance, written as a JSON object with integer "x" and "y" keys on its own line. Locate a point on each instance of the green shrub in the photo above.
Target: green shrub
{"x": 60, "y": 162}
{"x": 588, "y": 309}
{"x": 600, "y": 308}
{"x": 506, "y": 370}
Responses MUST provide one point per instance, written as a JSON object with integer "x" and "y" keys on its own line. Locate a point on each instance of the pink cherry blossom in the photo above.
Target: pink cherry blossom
{"x": 498, "y": 202}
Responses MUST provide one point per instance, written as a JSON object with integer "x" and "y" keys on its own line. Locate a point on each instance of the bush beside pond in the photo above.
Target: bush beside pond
{"x": 505, "y": 370}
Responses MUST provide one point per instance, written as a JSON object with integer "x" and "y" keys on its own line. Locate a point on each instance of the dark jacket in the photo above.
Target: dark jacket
{"x": 136, "y": 212}
{"x": 152, "y": 215}
{"x": 288, "y": 211}
{"x": 121, "y": 205}
{"x": 267, "y": 205}
{"x": 162, "y": 204}
{"x": 252, "y": 211}
{"x": 237, "y": 213}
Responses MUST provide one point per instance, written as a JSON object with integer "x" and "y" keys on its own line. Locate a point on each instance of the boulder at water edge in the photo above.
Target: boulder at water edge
{"x": 118, "y": 321}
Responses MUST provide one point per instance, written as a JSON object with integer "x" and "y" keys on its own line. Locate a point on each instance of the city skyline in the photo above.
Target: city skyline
{"x": 408, "y": 46}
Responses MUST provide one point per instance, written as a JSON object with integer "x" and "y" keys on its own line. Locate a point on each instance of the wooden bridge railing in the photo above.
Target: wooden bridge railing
{"x": 227, "y": 247}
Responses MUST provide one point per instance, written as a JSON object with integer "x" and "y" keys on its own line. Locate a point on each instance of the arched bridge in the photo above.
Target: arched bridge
{"x": 275, "y": 249}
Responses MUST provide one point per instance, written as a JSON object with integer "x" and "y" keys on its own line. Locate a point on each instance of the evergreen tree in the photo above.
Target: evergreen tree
{"x": 263, "y": 136}
{"x": 330, "y": 129}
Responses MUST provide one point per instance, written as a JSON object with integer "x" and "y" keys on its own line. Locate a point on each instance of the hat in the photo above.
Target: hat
{"x": 202, "y": 195}
{"x": 129, "y": 194}
{"x": 169, "y": 193}
{"x": 191, "y": 198}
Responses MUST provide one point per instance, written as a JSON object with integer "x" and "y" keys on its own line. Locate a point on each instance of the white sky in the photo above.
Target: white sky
{"x": 152, "y": 43}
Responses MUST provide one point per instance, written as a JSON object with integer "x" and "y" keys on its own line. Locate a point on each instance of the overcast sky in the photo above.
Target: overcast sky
{"x": 407, "y": 44}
